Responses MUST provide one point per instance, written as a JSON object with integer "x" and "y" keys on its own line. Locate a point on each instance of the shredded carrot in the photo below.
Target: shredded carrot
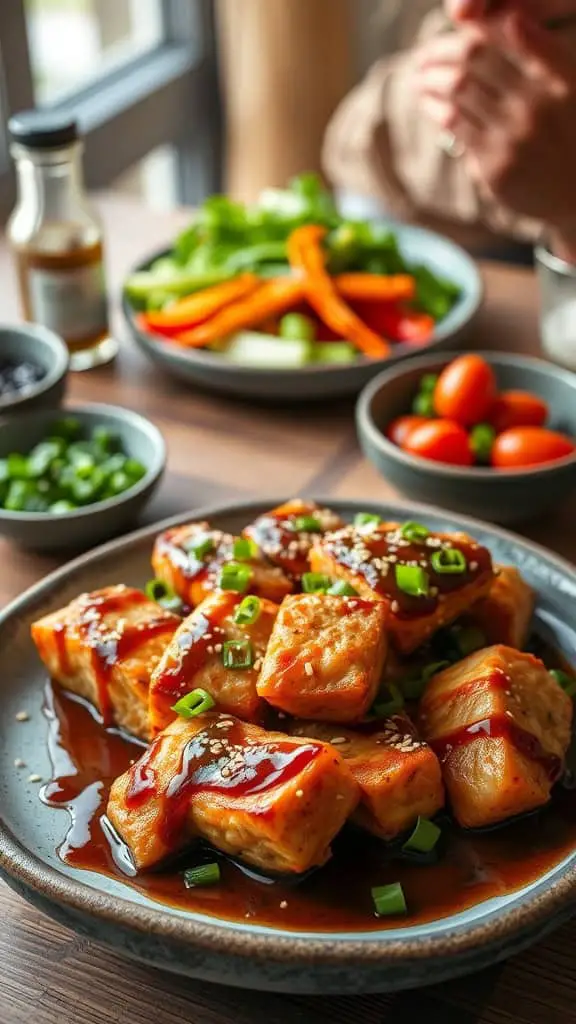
{"x": 272, "y": 298}
{"x": 306, "y": 256}
{"x": 194, "y": 309}
{"x": 358, "y": 287}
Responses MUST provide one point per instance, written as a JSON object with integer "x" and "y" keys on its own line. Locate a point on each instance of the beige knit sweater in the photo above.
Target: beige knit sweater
{"x": 380, "y": 144}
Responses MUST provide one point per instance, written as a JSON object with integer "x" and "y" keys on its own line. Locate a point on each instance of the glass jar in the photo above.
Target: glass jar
{"x": 557, "y": 307}
{"x": 57, "y": 239}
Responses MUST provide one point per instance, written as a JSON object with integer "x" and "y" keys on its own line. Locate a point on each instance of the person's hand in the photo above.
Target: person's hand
{"x": 507, "y": 91}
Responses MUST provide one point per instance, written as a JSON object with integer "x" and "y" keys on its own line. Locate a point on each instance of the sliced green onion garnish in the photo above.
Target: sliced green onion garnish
{"x": 341, "y": 588}
{"x": 235, "y": 576}
{"x": 482, "y": 437}
{"x": 383, "y": 709}
{"x": 469, "y": 639}
{"x": 415, "y": 532}
{"x": 414, "y": 688}
{"x": 367, "y": 519}
{"x": 244, "y": 549}
{"x": 413, "y": 580}
{"x": 237, "y": 654}
{"x": 194, "y": 703}
{"x": 567, "y": 682}
{"x": 199, "y": 546}
{"x": 428, "y": 382}
{"x": 448, "y": 560}
{"x": 248, "y": 611}
{"x": 306, "y": 524}
{"x": 204, "y": 874}
{"x": 424, "y": 836}
{"x": 315, "y": 583}
{"x": 389, "y": 900}
{"x": 162, "y": 593}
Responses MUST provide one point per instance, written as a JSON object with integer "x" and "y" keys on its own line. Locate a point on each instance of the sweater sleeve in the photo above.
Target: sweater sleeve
{"x": 380, "y": 144}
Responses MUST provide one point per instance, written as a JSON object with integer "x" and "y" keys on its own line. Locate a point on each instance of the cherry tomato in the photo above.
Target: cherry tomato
{"x": 441, "y": 441}
{"x": 401, "y": 427}
{"x": 529, "y": 446}
{"x": 466, "y": 390}
{"x": 517, "y": 409}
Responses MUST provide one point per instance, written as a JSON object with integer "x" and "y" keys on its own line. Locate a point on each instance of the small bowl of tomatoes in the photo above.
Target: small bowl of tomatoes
{"x": 488, "y": 434}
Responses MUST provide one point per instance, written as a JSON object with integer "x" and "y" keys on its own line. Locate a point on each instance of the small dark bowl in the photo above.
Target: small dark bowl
{"x": 87, "y": 526}
{"x": 35, "y": 344}
{"x": 500, "y": 496}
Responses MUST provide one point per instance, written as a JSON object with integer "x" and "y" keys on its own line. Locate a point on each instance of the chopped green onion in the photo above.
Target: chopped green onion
{"x": 424, "y": 836}
{"x": 237, "y": 654}
{"x": 235, "y": 576}
{"x": 306, "y": 524}
{"x": 415, "y": 532}
{"x": 163, "y": 594}
{"x": 389, "y": 900}
{"x": 341, "y": 588}
{"x": 204, "y": 874}
{"x": 386, "y": 708}
{"x": 69, "y": 428}
{"x": 423, "y": 404}
{"x": 315, "y": 583}
{"x": 433, "y": 668}
{"x": 428, "y": 382}
{"x": 199, "y": 546}
{"x": 448, "y": 561}
{"x": 296, "y": 326}
{"x": 482, "y": 438}
{"x": 469, "y": 639}
{"x": 59, "y": 508}
{"x": 194, "y": 703}
{"x": 412, "y": 580}
{"x": 414, "y": 688}
{"x": 566, "y": 681}
{"x": 248, "y": 611}
{"x": 244, "y": 549}
{"x": 366, "y": 521}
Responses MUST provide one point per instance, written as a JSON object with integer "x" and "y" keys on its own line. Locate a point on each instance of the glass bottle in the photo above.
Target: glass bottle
{"x": 57, "y": 239}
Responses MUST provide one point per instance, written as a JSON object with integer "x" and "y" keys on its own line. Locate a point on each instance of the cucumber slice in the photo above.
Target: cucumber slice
{"x": 249, "y": 348}
{"x": 139, "y": 286}
{"x": 335, "y": 352}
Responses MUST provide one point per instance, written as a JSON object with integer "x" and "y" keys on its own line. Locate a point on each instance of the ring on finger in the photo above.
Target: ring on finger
{"x": 451, "y": 145}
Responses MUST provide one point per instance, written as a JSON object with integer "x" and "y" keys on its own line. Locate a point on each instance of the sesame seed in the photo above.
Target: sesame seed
{"x": 473, "y": 566}
{"x": 283, "y": 905}
{"x": 34, "y": 778}
{"x": 308, "y": 668}
{"x": 299, "y": 793}
{"x": 337, "y": 740}
{"x": 19, "y": 763}
{"x": 218, "y": 648}
{"x": 22, "y": 716}
{"x": 210, "y": 649}
{"x": 340, "y": 796}
{"x": 395, "y": 607}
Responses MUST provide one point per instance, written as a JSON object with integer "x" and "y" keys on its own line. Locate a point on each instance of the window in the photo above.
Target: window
{"x": 72, "y": 42}
{"x": 140, "y": 76}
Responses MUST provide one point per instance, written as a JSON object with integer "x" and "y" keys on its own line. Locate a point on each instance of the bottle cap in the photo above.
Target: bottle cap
{"x": 43, "y": 129}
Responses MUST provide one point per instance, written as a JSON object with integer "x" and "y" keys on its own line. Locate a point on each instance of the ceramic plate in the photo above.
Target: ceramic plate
{"x": 210, "y": 370}
{"x": 242, "y": 953}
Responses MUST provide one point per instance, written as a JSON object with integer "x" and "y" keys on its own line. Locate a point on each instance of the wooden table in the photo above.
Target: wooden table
{"x": 223, "y": 450}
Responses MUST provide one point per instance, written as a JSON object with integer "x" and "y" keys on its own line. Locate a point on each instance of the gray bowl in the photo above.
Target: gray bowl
{"x": 211, "y": 370}
{"x": 500, "y": 496}
{"x": 35, "y": 344}
{"x": 87, "y": 526}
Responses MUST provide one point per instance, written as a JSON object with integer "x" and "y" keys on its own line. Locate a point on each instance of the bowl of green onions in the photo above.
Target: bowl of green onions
{"x": 72, "y": 478}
